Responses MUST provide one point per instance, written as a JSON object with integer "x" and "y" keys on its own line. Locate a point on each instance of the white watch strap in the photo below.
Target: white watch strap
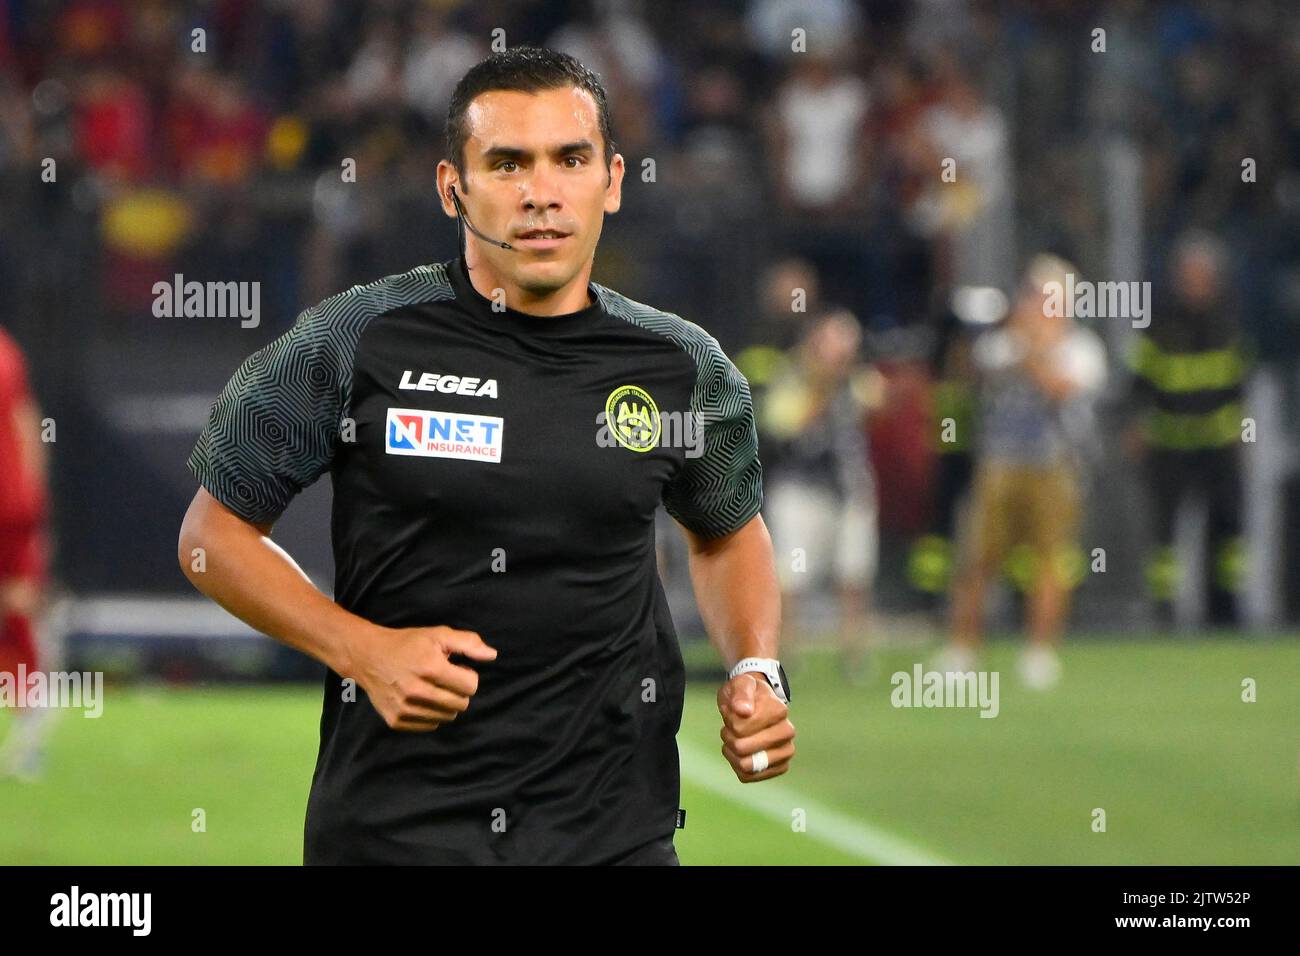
{"x": 768, "y": 667}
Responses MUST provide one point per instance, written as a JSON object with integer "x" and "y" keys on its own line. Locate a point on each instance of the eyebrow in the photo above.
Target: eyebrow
{"x": 494, "y": 153}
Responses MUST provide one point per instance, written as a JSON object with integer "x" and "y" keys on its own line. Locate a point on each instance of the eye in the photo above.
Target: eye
{"x": 506, "y": 162}
{"x": 578, "y": 159}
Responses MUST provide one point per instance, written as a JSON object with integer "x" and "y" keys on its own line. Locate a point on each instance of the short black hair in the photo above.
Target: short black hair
{"x": 527, "y": 69}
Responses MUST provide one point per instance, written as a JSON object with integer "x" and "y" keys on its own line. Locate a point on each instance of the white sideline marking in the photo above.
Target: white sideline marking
{"x": 774, "y": 799}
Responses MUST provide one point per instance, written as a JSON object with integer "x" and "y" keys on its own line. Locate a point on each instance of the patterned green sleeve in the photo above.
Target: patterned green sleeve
{"x": 273, "y": 429}
{"x": 720, "y": 490}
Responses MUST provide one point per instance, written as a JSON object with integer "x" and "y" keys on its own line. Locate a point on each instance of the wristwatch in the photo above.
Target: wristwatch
{"x": 769, "y": 668}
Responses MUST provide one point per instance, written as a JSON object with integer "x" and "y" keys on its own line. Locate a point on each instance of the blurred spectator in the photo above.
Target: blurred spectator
{"x": 439, "y": 55}
{"x": 374, "y": 78}
{"x": 820, "y": 491}
{"x": 115, "y": 132}
{"x": 1039, "y": 375}
{"x": 827, "y": 24}
{"x": 789, "y": 291}
{"x": 975, "y": 208}
{"x": 818, "y": 143}
{"x": 24, "y": 514}
{"x": 951, "y": 433}
{"x": 1189, "y": 369}
{"x": 220, "y": 134}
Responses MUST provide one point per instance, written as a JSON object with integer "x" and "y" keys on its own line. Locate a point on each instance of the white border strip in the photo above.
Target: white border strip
{"x": 143, "y": 617}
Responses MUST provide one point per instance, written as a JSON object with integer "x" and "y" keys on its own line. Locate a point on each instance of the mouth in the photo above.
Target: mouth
{"x": 542, "y": 238}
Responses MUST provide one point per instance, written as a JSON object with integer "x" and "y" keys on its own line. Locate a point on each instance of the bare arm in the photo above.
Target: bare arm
{"x": 736, "y": 589}
{"x": 256, "y": 580}
{"x": 405, "y": 671}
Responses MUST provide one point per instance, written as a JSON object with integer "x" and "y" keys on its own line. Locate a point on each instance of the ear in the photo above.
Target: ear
{"x": 447, "y": 179}
{"x": 614, "y": 191}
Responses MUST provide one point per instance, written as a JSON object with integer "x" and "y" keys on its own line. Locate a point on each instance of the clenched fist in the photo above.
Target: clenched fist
{"x": 409, "y": 677}
{"x": 754, "y": 719}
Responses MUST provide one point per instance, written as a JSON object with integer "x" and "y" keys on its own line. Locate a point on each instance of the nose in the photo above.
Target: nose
{"x": 540, "y": 192}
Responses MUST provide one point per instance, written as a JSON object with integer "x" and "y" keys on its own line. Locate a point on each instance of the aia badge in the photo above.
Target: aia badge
{"x": 426, "y": 434}
{"x": 632, "y": 418}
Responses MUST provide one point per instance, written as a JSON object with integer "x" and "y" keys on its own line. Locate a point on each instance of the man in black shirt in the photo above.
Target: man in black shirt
{"x": 504, "y": 684}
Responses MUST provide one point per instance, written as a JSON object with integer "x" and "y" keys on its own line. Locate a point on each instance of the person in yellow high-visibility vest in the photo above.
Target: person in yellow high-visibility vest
{"x": 1189, "y": 370}
{"x": 931, "y": 557}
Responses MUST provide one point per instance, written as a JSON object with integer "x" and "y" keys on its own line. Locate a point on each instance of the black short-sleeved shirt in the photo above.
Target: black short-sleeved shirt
{"x": 478, "y": 484}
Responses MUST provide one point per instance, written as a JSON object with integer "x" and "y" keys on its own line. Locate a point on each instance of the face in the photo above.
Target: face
{"x": 780, "y": 283}
{"x": 1197, "y": 277}
{"x": 1032, "y": 315}
{"x": 833, "y": 343}
{"x": 534, "y": 161}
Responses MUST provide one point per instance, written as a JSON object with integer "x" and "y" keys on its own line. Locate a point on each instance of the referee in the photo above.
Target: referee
{"x": 504, "y": 680}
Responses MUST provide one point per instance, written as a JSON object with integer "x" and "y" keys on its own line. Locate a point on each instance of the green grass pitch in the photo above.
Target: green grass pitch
{"x": 1155, "y": 733}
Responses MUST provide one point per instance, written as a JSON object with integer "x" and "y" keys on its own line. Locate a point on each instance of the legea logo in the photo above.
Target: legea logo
{"x": 449, "y": 384}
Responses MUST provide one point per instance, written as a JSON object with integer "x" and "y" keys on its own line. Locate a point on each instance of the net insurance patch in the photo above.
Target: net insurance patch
{"x": 431, "y": 434}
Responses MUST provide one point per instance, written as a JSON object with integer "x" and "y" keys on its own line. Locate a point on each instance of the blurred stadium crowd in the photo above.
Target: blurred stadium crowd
{"x": 756, "y": 173}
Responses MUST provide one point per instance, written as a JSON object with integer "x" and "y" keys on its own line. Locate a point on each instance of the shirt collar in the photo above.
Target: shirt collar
{"x": 481, "y": 307}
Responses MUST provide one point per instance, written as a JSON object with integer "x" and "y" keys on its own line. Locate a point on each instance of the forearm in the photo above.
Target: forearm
{"x": 254, "y": 579}
{"x": 737, "y": 592}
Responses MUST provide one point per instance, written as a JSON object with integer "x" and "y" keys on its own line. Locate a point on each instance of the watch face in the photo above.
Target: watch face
{"x": 785, "y": 682}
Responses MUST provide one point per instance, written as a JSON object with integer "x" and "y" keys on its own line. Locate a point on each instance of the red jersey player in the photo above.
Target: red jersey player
{"x": 23, "y": 549}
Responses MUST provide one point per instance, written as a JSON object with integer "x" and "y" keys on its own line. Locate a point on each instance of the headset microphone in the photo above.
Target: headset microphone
{"x": 460, "y": 211}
